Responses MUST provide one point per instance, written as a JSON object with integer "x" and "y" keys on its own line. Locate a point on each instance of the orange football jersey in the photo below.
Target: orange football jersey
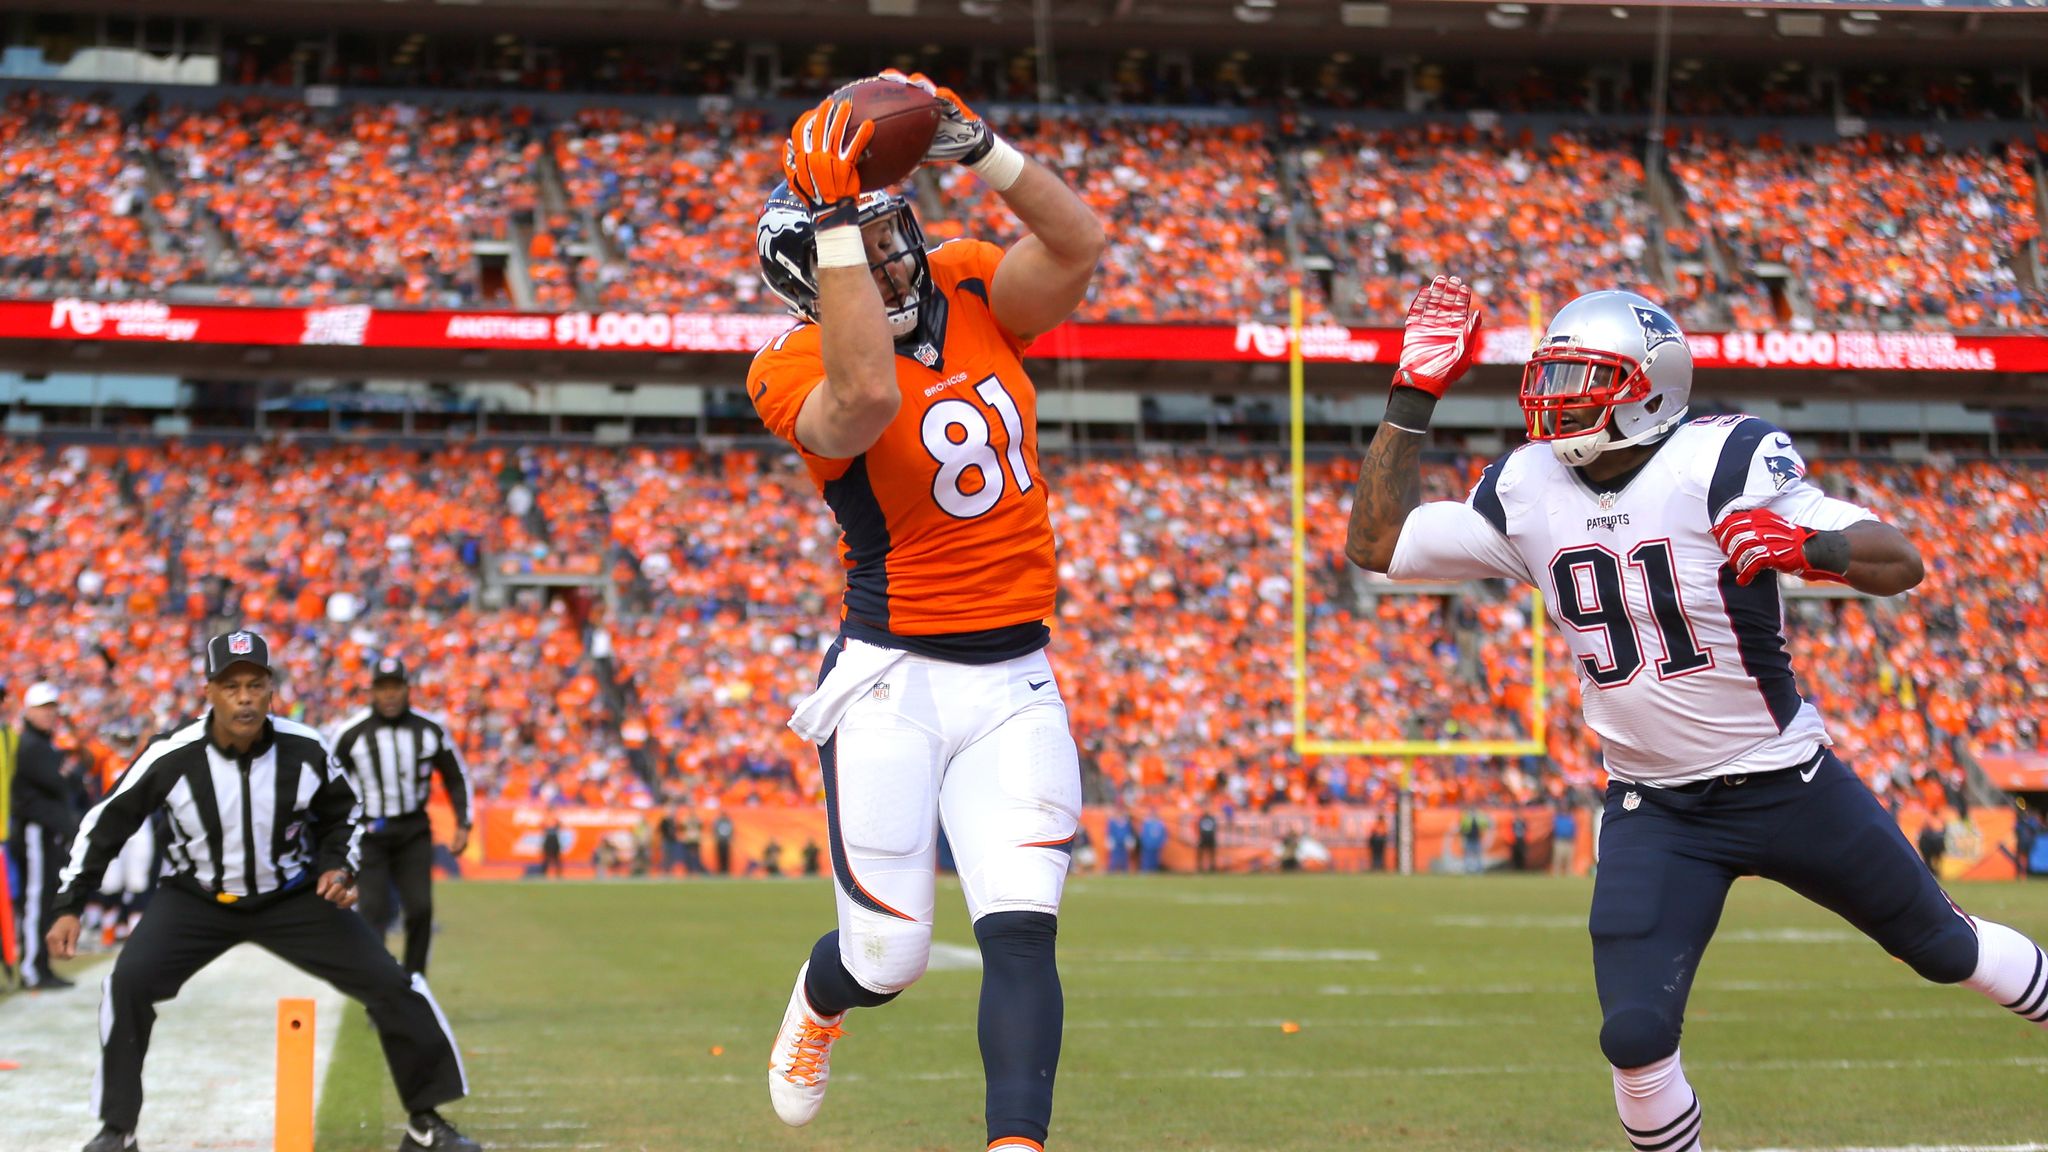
{"x": 944, "y": 528}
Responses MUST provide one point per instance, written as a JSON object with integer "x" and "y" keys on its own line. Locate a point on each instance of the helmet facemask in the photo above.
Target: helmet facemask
{"x": 1586, "y": 383}
{"x": 896, "y": 257}
{"x": 895, "y": 247}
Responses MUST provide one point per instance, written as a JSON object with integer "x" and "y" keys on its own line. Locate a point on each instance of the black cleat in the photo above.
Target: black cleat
{"x": 112, "y": 1139}
{"x": 51, "y": 983}
{"x": 427, "y": 1130}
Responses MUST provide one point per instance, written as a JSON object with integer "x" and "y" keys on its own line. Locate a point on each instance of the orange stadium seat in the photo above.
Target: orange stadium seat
{"x": 1175, "y": 596}
{"x": 260, "y": 200}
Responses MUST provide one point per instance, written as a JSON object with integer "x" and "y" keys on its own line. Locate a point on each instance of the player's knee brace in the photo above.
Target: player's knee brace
{"x": 1635, "y": 1035}
{"x": 887, "y": 955}
{"x": 831, "y": 987}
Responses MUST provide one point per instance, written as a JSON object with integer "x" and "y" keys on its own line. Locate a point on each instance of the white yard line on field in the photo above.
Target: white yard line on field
{"x": 211, "y": 1078}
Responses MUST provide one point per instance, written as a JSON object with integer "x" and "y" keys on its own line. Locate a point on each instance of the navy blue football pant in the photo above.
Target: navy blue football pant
{"x": 1668, "y": 856}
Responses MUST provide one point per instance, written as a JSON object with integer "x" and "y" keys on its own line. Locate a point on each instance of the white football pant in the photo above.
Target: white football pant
{"x": 986, "y": 749}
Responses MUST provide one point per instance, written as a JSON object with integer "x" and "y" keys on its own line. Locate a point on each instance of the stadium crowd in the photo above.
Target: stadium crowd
{"x": 1175, "y": 597}
{"x": 262, "y": 199}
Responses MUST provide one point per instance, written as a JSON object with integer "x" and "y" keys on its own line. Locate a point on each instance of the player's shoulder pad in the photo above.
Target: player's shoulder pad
{"x": 1502, "y": 486}
{"x": 293, "y": 730}
{"x": 1739, "y": 455}
{"x": 965, "y": 263}
{"x": 798, "y": 337}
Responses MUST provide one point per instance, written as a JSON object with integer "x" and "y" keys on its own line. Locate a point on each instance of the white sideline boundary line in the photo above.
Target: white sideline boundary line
{"x": 210, "y": 1082}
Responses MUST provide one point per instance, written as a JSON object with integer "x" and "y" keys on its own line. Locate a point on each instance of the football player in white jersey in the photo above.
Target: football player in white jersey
{"x": 1658, "y": 544}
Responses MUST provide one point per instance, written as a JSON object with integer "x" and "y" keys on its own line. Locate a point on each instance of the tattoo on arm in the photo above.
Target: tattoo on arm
{"x": 1389, "y": 487}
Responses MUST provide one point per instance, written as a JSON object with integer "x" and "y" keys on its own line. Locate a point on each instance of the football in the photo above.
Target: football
{"x": 905, "y": 120}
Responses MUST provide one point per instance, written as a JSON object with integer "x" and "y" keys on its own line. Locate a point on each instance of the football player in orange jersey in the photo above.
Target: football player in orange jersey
{"x": 903, "y": 391}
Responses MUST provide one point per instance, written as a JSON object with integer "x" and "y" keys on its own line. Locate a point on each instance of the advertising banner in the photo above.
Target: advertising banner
{"x": 695, "y": 332}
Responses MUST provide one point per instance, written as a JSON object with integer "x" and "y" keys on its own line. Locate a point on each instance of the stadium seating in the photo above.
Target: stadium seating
{"x": 1516, "y": 216}
{"x": 1176, "y": 599}
{"x": 375, "y": 203}
{"x": 261, "y": 200}
{"x": 73, "y": 191}
{"x": 1882, "y": 231}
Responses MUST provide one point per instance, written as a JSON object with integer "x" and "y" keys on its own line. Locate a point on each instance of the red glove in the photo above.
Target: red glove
{"x": 819, "y": 157}
{"x": 1441, "y": 337}
{"x": 1761, "y": 539}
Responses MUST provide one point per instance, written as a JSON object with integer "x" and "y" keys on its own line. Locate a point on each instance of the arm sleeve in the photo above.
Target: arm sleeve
{"x": 1446, "y": 540}
{"x": 107, "y": 827}
{"x": 1760, "y": 468}
{"x": 338, "y": 817}
{"x": 455, "y": 778}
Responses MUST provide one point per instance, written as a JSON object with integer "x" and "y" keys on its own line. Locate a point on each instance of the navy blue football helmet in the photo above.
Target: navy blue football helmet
{"x": 788, "y": 248}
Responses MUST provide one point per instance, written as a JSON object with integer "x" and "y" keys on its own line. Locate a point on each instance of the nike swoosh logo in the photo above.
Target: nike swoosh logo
{"x": 1809, "y": 774}
{"x": 1037, "y": 684}
{"x": 760, "y": 392}
{"x": 1784, "y": 442}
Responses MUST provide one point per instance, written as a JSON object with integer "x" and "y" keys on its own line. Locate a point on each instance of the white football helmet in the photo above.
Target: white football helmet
{"x": 1617, "y": 362}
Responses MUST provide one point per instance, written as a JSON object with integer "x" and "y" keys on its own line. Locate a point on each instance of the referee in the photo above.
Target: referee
{"x": 392, "y": 753}
{"x": 262, "y": 849}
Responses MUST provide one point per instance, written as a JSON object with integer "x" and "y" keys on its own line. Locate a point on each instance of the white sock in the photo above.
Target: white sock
{"x": 1658, "y": 1109}
{"x": 2012, "y": 970}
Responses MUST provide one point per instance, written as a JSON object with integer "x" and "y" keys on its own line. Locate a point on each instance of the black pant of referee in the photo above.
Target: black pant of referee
{"x": 400, "y": 851}
{"x": 262, "y": 849}
{"x": 183, "y": 933}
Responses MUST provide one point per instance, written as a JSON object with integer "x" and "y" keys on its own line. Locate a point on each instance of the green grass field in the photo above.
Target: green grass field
{"x": 1434, "y": 1013}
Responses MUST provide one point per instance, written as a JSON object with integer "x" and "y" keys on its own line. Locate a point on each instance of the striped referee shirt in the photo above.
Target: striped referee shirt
{"x": 243, "y": 828}
{"x": 393, "y": 763}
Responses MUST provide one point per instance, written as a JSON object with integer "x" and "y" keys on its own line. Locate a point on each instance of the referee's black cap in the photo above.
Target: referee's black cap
{"x": 231, "y": 648}
{"x": 388, "y": 668}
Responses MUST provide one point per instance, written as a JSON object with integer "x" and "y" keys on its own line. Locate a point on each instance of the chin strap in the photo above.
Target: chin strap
{"x": 1569, "y": 449}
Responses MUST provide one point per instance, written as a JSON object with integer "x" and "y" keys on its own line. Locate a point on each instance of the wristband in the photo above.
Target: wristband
{"x": 1409, "y": 409}
{"x": 842, "y": 247}
{"x": 1827, "y": 552}
{"x": 1000, "y": 166}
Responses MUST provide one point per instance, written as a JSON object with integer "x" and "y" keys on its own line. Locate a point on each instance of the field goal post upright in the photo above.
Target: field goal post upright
{"x": 1409, "y": 751}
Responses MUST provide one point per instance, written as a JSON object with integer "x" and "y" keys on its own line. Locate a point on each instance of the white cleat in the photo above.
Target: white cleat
{"x": 802, "y": 1060}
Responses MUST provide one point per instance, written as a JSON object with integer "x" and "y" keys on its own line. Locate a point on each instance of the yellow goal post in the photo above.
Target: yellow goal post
{"x": 1532, "y": 744}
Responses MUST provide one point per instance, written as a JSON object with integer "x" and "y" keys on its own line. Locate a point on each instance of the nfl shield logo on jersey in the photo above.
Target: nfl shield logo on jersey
{"x": 882, "y": 690}
{"x": 240, "y": 644}
{"x": 926, "y": 355}
{"x": 1632, "y": 801}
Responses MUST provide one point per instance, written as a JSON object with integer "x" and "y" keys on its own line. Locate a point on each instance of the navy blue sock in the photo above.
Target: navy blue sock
{"x": 1022, "y": 1015}
{"x": 830, "y": 987}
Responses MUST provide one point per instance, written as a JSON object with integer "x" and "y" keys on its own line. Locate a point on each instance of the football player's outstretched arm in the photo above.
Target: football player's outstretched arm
{"x": 1437, "y": 347}
{"x": 1882, "y": 560}
{"x": 847, "y": 413}
{"x": 1389, "y": 488}
{"x": 1044, "y": 276}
